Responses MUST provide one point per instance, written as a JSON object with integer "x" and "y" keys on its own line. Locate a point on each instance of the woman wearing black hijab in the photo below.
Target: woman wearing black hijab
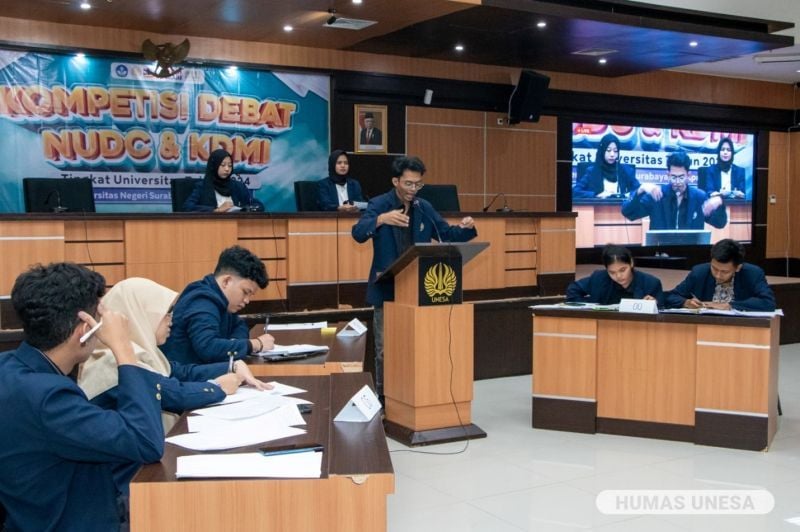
{"x": 339, "y": 190}
{"x": 723, "y": 178}
{"x": 606, "y": 176}
{"x": 217, "y": 192}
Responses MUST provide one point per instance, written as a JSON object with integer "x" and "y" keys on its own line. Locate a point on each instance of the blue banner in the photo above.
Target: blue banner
{"x": 132, "y": 133}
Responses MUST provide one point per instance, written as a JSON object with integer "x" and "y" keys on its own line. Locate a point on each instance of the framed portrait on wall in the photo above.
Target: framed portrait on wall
{"x": 370, "y": 128}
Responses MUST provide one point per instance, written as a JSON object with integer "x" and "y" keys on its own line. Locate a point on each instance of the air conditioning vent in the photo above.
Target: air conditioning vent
{"x": 345, "y": 23}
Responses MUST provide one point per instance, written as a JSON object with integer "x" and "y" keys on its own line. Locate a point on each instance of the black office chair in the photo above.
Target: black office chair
{"x": 181, "y": 189}
{"x": 444, "y": 198}
{"x": 53, "y": 194}
{"x": 305, "y": 195}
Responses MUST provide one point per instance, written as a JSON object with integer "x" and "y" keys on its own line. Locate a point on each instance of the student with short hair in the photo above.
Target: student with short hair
{"x": 65, "y": 464}
{"x": 205, "y": 324}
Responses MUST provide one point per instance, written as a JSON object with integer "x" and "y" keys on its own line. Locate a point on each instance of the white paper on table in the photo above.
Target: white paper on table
{"x": 243, "y": 409}
{"x": 284, "y": 389}
{"x": 293, "y": 349}
{"x": 286, "y": 416}
{"x": 244, "y": 393}
{"x": 250, "y": 465}
{"x": 296, "y": 326}
{"x": 240, "y": 435}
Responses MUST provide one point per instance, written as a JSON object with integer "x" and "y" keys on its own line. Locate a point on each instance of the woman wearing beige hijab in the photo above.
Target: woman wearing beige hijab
{"x": 185, "y": 386}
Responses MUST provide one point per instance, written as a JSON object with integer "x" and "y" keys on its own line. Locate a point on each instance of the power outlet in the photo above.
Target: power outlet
{"x": 773, "y": 199}
{"x": 501, "y": 121}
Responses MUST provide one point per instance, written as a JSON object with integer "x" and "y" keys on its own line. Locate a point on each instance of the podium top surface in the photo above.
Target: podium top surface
{"x": 465, "y": 250}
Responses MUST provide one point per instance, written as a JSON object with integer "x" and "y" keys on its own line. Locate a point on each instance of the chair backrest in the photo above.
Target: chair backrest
{"x": 581, "y": 169}
{"x": 305, "y": 195}
{"x": 181, "y": 189}
{"x": 444, "y": 198}
{"x": 54, "y": 194}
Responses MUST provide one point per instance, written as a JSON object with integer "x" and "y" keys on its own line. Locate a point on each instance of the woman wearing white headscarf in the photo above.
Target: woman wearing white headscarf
{"x": 185, "y": 386}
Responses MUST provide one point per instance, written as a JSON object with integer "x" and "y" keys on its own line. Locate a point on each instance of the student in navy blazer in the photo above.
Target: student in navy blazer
{"x": 394, "y": 221}
{"x": 339, "y": 190}
{"x": 726, "y": 282}
{"x": 606, "y": 176}
{"x": 217, "y": 192}
{"x": 677, "y": 205}
{"x": 618, "y": 280}
{"x": 66, "y": 464}
{"x": 711, "y": 180}
{"x": 205, "y": 324}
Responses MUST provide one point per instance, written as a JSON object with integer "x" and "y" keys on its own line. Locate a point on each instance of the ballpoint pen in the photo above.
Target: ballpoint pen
{"x": 230, "y": 363}
{"x": 266, "y": 323}
{"x": 90, "y": 332}
{"x": 292, "y": 450}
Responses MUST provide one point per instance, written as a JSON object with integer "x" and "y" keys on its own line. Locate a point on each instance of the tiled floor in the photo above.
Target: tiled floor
{"x": 519, "y": 478}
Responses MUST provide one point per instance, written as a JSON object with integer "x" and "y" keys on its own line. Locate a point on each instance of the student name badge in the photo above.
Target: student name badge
{"x": 639, "y": 306}
{"x": 353, "y": 328}
{"x": 361, "y": 408}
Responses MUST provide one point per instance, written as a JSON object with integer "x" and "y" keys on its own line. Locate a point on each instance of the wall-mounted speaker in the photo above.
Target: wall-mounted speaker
{"x": 526, "y": 100}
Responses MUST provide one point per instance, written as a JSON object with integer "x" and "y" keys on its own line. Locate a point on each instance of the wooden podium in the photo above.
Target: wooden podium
{"x": 428, "y": 351}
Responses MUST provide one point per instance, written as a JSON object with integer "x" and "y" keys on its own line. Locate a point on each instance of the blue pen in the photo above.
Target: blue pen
{"x": 292, "y": 450}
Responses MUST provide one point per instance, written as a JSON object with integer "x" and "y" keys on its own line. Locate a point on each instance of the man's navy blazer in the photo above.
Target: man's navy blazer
{"x": 386, "y": 239}
{"x": 328, "y": 198}
{"x": 662, "y": 212}
{"x": 750, "y": 288}
{"x": 203, "y": 330}
{"x": 601, "y": 288}
{"x": 63, "y": 460}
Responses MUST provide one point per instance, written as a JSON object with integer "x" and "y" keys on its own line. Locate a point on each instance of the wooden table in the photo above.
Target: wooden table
{"x": 712, "y": 380}
{"x": 345, "y": 354}
{"x": 351, "y": 494}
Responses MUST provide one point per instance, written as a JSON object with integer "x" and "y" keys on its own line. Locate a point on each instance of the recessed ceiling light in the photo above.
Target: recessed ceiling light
{"x": 693, "y": 44}
{"x": 288, "y": 27}
{"x": 232, "y": 69}
{"x": 356, "y": 1}
{"x": 459, "y": 48}
{"x": 80, "y": 55}
{"x": 602, "y": 60}
{"x": 541, "y": 24}
{"x": 86, "y": 5}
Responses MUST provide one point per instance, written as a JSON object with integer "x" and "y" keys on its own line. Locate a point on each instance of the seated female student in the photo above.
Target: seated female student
{"x": 217, "y": 192}
{"x": 339, "y": 190}
{"x": 606, "y": 177}
{"x": 618, "y": 280}
{"x": 723, "y": 178}
{"x": 184, "y": 386}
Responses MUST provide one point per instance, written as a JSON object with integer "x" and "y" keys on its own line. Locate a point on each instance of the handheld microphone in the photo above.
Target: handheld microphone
{"x": 58, "y": 208}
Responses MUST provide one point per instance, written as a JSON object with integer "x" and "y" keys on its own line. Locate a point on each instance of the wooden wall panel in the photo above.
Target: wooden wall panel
{"x": 441, "y": 117}
{"x": 778, "y": 222}
{"x": 451, "y": 154}
{"x": 312, "y": 250}
{"x": 23, "y": 244}
{"x": 354, "y": 258}
{"x": 520, "y": 161}
{"x": 95, "y": 252}
{"x": 564, "y": 357}
{"x": 105, "y": 230}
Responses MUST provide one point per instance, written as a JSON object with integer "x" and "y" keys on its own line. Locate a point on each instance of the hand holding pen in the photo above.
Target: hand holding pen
{"x": 694, "y": 302}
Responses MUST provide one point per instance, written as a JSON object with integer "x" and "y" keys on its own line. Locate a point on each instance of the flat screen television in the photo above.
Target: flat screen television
{"x": 624, "y": 192}
{"x": 52, "y": 194}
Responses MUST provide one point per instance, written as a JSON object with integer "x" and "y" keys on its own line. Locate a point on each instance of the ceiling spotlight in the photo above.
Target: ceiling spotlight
{"x": 86, "y": 5}
{"x": 602, "y": 60}
{"x": 288, "y": 27}
{"x": 541, "y": 24}
{"x": 356, "y": 1}
{"x": 80, "y": 55}
{"x": 459, "y": 48}
{"x": 693, "y": 44}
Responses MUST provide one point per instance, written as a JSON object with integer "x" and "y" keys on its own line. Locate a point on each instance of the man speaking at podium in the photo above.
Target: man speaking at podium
{"x": 396, "y": 220}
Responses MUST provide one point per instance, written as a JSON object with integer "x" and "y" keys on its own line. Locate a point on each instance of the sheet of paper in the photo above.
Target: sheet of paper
{"x": 293, "y": 349}
{"x": 576, "y": 306}
{"x": 244, "y": 393}
{"x": 250, "y": 465}
{"x": 243, "y": 409}
{"x": 239, "y": 435}
{"x": 732, "y": 312}
{"x": 284, "y": 389}
{"x": 296, "y": 326}
{"x": 286, "y": 416}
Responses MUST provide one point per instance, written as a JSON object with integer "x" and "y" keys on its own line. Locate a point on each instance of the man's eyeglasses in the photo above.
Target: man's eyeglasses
{"x": 681, "y": 177}
{"x": 412, "y": 185}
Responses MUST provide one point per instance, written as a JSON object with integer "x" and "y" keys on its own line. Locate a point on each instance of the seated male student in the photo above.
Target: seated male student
{"x": 65, "y": 464}
{"x": 205, "y": 326}
{"x": 677, "y": 205}
{"x": 727, "y": 282}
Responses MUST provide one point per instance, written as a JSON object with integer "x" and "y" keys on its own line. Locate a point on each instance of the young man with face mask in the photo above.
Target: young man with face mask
{"x": 724, "y": 283}
{"x": 205, "y": 324}
{"x": 676, "y": 205}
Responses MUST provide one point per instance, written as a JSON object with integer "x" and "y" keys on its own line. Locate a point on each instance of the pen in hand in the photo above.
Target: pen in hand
{"x": 90, "y": 332}
{"x": 230, "y": 363}
{"x": 697, "y": 301}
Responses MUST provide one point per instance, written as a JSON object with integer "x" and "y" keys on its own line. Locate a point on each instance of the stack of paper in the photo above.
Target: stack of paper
{"x": 296, "y": 349}
{"x": 250, "y": 465}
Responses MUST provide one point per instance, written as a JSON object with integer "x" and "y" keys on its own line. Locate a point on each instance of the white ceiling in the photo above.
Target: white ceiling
{"x": 746, "y": 66}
